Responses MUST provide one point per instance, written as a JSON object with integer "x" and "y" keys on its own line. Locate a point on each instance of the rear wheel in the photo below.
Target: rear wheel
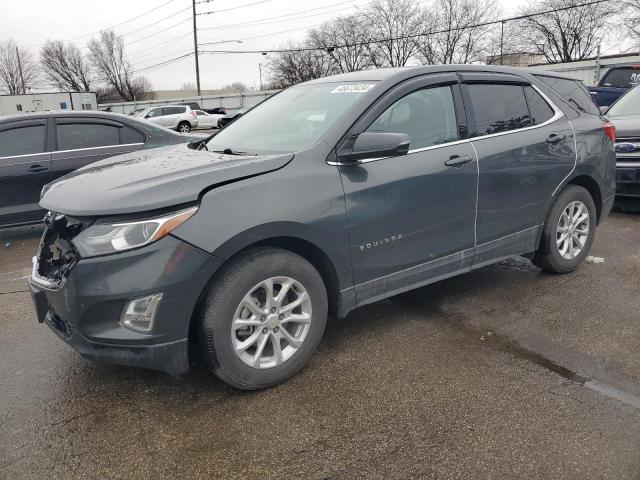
{"x": 184, "y": 127}
{"x": 568, "y": 231}
{"x": 263, "y": 318}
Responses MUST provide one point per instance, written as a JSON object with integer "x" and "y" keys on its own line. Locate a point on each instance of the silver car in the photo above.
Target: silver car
{"x": 176, "y": 117}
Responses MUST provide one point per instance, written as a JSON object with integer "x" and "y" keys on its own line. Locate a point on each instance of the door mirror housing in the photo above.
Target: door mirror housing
{"x": 370, "y": 145}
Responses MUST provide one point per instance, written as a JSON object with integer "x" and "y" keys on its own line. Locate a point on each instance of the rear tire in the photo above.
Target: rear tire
{"x": 184, "y": 127}
{"x": 248, "y": 338}
{"x": 568, "y": 232}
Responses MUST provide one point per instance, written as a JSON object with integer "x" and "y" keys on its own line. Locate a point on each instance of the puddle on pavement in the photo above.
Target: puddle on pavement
{"x": 510, "y": 346}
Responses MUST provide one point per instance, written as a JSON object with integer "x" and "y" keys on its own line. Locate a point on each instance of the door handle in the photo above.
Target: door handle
{"x": 37, "y": 168}
{"x": 555, "y": 138}
{"x": 457, "y": 160}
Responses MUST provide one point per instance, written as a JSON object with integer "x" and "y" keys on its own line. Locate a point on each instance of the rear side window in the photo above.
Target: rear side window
{"x": 427, "y": 116}
{"x": 573, "y": 92}
{"x": 627, "y": 77}
{"x": 498, "y": 108}
{"x": 540, "y": 110}
{"x": 130, "y": 135}
{"x": 86, "y": 135}
{"x": 22, "y": 140}
{"x": 173, "y": 110}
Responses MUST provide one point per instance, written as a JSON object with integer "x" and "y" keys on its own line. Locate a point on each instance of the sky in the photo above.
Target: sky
{"x": 166, "y": 31}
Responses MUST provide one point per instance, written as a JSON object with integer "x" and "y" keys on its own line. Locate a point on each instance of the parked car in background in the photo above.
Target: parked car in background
{"x": 615, "y": 83}
{"x": 625, "y": 115}
{"x": 176, "y": 117}
{"x": 333, "y": 194}
{"x": 38, "y": 148}
{"x": 231, "y": 117}
{"x": 207, "y": 120}
{"x": 196, "y": 106}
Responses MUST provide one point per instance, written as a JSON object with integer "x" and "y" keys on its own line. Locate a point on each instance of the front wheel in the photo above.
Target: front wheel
{"x": 184, "y": 127}
{"x": 568, "y": 232}
{"x": 263, "y": 318}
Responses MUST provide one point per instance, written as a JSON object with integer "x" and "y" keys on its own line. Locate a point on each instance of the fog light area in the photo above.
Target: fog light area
{"x": 140, "y": 313}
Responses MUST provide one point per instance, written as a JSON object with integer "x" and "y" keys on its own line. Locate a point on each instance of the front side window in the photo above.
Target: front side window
{"x": 22, "y": 141}
{"x": 291, "y": 120}
{"x": 428, "y": 116}
{"x": 498, "y": 108}
{"x": 156, "y": 112}
{"x": 86, "y": 135}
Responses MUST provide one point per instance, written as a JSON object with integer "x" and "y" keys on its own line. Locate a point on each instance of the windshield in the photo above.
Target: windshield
{"x": 289, "y": 121}
{"x": 621, "y": 77}
{"x": 628, "y": 104}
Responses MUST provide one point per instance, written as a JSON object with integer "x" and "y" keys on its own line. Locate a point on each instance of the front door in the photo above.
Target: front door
{"x": 412, "y": 217}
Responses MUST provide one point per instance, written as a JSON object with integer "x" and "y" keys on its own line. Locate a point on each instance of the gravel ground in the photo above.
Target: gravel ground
{"x": 504, "y": 372}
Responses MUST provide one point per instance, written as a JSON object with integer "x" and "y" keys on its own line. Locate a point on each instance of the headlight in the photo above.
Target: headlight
{"x": 105, "y": 237}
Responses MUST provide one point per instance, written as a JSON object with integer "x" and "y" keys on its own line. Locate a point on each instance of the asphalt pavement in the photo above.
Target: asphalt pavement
{"x": 505, "y": 372}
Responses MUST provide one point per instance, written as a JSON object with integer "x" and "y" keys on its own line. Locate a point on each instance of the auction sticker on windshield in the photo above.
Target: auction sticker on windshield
{"x": 353, "y": 88}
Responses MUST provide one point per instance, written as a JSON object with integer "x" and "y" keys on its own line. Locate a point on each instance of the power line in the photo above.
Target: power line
{"x": 159, "y": 31}
{"x": 156, "y": 22}
{"x": 159, "y": 45}
{"x": 405, "y": 37}
{"x": 233, "y": 8}
{"x": 293, "y": 14}
{"x": 266, "y": 34}
{"x": 166, "y": 62}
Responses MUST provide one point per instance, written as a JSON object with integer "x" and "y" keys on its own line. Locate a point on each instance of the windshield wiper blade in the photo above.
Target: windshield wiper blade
{"x": 229, "y": 151}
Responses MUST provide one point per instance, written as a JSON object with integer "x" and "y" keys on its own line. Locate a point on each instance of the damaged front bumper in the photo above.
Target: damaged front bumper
{"x": 84, "y": 306}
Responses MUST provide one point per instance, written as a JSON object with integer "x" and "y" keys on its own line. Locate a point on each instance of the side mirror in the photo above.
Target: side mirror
{"x": 604, "y": 109}
{"x": 369, "y": 145}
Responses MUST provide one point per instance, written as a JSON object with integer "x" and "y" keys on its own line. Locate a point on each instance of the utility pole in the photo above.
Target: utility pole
{"x": 501, "y": 40}
{"x": 20, "y": 68}
{"x": 596, "y": 73}
{"x": 195, "y": 46}
{"x": 260, "y": 70}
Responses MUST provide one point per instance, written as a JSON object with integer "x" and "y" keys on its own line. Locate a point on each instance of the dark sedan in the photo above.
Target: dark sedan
{"x": 36, "y": 149}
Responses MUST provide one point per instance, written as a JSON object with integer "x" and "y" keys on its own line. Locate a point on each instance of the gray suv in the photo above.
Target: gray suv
{"x": 237, "y": 247}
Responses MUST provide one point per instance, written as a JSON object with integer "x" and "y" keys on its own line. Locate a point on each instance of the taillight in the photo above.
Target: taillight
{"x": 610, "y": 130}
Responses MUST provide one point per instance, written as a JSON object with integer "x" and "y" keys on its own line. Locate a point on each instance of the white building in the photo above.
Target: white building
{"x": 42, "y": 102}
{"x": 586, "y": 70}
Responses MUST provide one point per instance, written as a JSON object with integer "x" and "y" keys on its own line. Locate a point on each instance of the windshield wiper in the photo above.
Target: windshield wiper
{"x": 228, "y": 151}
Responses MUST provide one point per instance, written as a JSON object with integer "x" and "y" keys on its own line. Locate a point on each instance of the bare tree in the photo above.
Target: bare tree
{"x": 350, "y": 31}
{"x": 297, "y": 64}
{"x": 65, "y": 67}
{"x": 108, "y": 59}
{"x": 188, "y": 86}
{"x": 18, "y": 70}
{"x": 390, "y": 22}
{"x": 632, "y": 21}
{"x": 461, "y": 36}
{"x": 235, "y": 87}
{"x": 566, "y": 35}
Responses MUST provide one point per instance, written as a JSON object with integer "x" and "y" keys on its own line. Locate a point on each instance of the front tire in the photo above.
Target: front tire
{"x": 184, "y": 127}
{"x": 262, "y": 318}
{"x": 568, "y": 232}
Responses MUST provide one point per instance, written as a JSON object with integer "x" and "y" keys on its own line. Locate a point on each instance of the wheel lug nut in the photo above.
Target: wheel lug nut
{"x": 273, "y": 309}
{"x": 277, "y": 329}
{"x": 263, "y": 318}
{"x": 280, "y": 317}
{"x": 264, "y": 330}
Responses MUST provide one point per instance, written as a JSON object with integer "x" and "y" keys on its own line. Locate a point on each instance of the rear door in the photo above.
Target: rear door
{"x": 525, "y": 148}
{"x": 172, "y": 115}
{"x": 81, "y": 141}
{"x": 25, "y": 167}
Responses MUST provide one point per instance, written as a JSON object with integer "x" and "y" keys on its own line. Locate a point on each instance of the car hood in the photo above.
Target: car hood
{"x": 150, "y": 179}
{"x": 626, "y": 126}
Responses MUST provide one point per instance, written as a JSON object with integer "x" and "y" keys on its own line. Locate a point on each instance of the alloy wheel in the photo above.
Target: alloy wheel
{"x": 573, "y": 230}
{"x": 271, "y": 323}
